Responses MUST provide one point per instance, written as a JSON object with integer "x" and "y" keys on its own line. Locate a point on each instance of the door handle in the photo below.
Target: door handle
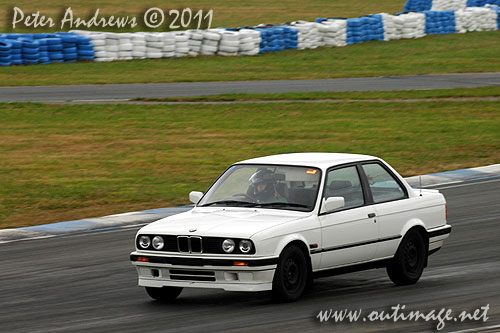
{"x": 371, "y": 215}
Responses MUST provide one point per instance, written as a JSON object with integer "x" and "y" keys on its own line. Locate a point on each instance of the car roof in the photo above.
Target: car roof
{"x": 319, "y": 160}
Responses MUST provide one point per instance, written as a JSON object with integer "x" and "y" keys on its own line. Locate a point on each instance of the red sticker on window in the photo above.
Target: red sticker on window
{"x": 311, "y": 171}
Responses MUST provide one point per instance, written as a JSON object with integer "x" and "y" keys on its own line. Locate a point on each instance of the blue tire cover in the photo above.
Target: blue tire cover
{"x": 54, "y": 47}
{"x": 70, "y": 50}
{"x": 85, "y": 53}
{"x": 89, "y": 58}
{"x": 86, "y": 47}
{"x": 56, "y": 56}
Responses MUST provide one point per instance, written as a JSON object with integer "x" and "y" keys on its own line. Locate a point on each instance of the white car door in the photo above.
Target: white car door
{"x": 349, "y": 234}
{"x": 392, "y": 206}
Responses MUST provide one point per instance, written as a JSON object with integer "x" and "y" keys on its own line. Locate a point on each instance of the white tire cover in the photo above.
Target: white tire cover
{"x": 230, "y": 36}
{"x": 157, "y": 45}
{"x": 152, "y": 37}
{"x": 250, "y": 53}
{"x": 228, "y": 49}
{"x": 100, "y": 54}
{"x": 182, "y": 44}
{"x": 98, "y": 42}
{"x": 209, "y": 42}
{"x": 139, "y": 48}
{"x": 112, "y": 48}
{"x": 229, "y": 43}
{"x": 168, "y": 48}
{"x": 196, "y": 35}
{"x": 227, "y": 54}
{"x": 168, "y": 54}
{"x": 246, "y": 40}
{"x": 194, "y": 42}
{"x": 182, "y": 50}
{"x": 154, "y": 55}
{"x": 181, "y": 38}
{"x": 211, "y": 36}
{"x": 208, "y": 48}
{"x": 126, "y": 47}
{"x": 247, "y": 47}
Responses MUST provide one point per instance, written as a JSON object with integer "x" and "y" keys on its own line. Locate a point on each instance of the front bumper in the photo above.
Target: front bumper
{"x": 204, "y": 272}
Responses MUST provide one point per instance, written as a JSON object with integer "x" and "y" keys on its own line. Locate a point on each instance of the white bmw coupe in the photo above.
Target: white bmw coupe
{"x": 275, "y": 223}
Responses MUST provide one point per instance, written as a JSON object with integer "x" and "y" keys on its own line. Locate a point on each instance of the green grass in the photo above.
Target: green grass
{"x": 355, "y": 95}
{"x": 457, "y": 53}
{"x": 64, "y": 162}
{"x": 226, "y": 13}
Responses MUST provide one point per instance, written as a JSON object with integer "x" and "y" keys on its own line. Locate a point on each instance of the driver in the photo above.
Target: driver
{"x": 263, "y": 188}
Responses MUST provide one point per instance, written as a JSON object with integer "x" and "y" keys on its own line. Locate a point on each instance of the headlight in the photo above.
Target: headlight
{"x": 158, "y": 243}
{"x": 228, "y": 245}
{"x": 144, "y": 242}
{"x": 245, "y": 246}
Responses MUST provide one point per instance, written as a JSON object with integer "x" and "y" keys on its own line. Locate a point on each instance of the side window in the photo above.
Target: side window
{"x": 382, "y": 185}
{"x": 345, "y": 183}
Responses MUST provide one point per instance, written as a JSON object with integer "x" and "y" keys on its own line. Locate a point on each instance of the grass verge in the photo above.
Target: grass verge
{"x": 61, "y": 162}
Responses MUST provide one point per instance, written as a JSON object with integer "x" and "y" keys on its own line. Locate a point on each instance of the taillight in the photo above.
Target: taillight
{"x": 446, "y": 212}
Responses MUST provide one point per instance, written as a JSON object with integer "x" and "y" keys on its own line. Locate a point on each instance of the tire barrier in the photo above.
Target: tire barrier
{"x": 81, "y": 45}
{"x": 308, "y": 34}
{"x": 333, "y": 31}
{"x": 5, "y": 53}
{"x": 403, "y": 26}
{"x": 277, "y": 38}
{"x": 29, "y": 49}
{"x": 476, "y": 19}
{"x": 442, "y": 5}
{"x": 438, "y": 23}
{"x": 364, "y": 29}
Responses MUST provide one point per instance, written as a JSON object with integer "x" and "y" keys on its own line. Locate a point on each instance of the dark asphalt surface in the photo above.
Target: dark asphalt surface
{"x": 158, "y": 90}
{"x": 85, "y": 283}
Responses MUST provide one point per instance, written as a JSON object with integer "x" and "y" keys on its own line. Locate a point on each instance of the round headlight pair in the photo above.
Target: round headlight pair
{"x": 145, "y": 242}
{"x": 228, "y": 246}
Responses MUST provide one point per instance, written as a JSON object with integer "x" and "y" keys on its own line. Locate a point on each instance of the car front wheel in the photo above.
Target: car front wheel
{"x": 164, "y": 294}
{"x": 290, "y": 278}
{"x": 408, "y": 264}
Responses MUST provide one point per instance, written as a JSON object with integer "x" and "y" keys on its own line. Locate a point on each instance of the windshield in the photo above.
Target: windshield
{"x": 268, "y": 186}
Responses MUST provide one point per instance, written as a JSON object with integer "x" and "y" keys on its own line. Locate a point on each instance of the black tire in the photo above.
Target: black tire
{"x": 408, "y": 264}
{"x": 165, "y": 294}
{"x": 291, "y": 276}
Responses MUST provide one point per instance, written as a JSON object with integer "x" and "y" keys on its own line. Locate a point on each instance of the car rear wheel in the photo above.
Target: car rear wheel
{"x": 408, "y": 264}
{"x": 291, "y": 276}
{"x": 164, "y": 294}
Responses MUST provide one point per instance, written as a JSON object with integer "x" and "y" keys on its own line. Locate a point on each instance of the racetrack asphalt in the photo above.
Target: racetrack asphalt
{"x": 85, "y": 283}
{"x": 124, "y": 92}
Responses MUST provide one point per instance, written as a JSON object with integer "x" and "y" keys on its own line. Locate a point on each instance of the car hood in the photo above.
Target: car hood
{"x": 237, "y": 223}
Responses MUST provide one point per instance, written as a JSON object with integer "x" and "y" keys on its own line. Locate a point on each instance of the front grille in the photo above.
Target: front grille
{"x": 189, "y": 244}
{"x": 183, "y": 243}
{"x": 194, "y": 244}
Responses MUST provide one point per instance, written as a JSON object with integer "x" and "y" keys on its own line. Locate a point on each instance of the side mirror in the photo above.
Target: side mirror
{"x": 332, "y": 203}
{"x": 195, "y": 196}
